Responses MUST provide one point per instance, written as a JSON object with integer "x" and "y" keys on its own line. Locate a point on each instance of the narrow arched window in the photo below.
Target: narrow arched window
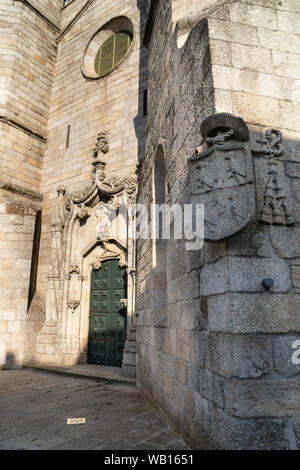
{"x": 112, "y": 52}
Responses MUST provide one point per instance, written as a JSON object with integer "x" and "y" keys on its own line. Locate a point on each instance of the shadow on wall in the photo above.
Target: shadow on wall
{"x": 9, "y": 362}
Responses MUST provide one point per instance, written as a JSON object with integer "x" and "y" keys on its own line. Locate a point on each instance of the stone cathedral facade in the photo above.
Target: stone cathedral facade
{"x": 180, "y": 102}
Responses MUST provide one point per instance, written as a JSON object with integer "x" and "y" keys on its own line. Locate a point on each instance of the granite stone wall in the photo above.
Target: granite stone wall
{"x": 216, "y": 358}
{"x": 27, "y": 60}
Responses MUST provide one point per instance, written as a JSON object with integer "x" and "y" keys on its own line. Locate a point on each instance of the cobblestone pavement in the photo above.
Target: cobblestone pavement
{"x": 35, "y": 406}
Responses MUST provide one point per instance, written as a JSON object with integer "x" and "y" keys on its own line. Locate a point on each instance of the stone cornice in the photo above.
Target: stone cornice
{"x": 18, "y": 190}
{"x": 21, "y": 127}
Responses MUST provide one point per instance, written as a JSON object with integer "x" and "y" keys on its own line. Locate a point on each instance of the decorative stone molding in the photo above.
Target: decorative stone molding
{"x": 83, "y": 212}
{"x": 73, "y": 305}
{"x": 103, "y": 186}
{"x": 221, "y": 176}
{"x": 110, "y": 251}
{"x": 277, "y": 205}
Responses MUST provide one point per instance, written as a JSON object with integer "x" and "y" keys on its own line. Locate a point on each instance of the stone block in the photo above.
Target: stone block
{"x": 166, "y": 363}
{"x": 50, "y": 349}
{"x": 289, "y": 22}
{"x": 202, "y": 412}
{"x": 218, "y": 353}
{"x": 193, "y": 377}
{"x": 233, "y": 32}
{"x": 180, "y": 394}
{"x": 286, "y": 64}
{"x": 257, "y": 109}
{"x": 214, "y": 278}
{"x": 281, "y": 41}
{"x": 196, "y": 348}
{"x": 254, "y": 313}
{"x": 251, "y": 58}
{"x": 286, "y": 240}
{"x": 246, "y": 275}
{"x": 214, "y": 251}
{"x": 221, "y": 394}
{"x": 14, "y": 327}
{"x": 283, "y": 352}
{"x": 254, "y": 15}
{"x": 297, "y": 431}
{"x": 205, "y": 383}
{"x": 265, "y": 398}
{"x": 181, "y": 371}
{"x": 220, "y": 53}
{"x": 251, "y": 355}
{"x": 182, "y": 345}
{"x": 3, "y": 326}
{"x": 253, "y": 241}
{"x": 249, "y": 434}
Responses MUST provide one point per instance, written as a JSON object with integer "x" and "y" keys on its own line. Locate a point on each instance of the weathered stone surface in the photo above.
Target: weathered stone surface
{"x": 214, "y": 251}
{"x": 261, "y": 434}
{"x": 202, "y": 412}
{"x": 297, "y": 431}
{"x": 258, "y": 398}
{"x": 286, "y": 240}
{"x": 248, "y": 434}
{"x": 293, "y": 170}
{"x": 283, "y": 352}
{"x": 251, "y": 356}
{"x": 250, "y": 313}
{"x": 205, "y": 383}
{"x": 214, "y": 278}
{"x": 246, "y": 275}
{"x": 218, "y": 353}
{"x": 295, "y": 186}
{"x": 253, "y": 241}
{"x": 196, "y": 343}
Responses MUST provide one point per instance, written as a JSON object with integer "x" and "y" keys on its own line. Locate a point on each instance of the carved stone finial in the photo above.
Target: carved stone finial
{"x": 102, "y": 145}
{"x": 277, "y": 207}
{"x": 273, "y": 144}
{"x": 73, "y": 304}
{"x": 83, "y": 212}
{"x": 61, "y": 190}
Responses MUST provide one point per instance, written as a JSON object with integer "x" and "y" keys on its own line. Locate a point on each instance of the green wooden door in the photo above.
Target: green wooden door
{"x": 108, "y": 325}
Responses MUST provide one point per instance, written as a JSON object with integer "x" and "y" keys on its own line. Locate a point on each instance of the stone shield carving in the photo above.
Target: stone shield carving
{"x": 221, "y": 177}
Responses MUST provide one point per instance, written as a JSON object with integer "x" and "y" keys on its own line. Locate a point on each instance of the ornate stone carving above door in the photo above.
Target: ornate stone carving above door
{"x": 109, "y": 249}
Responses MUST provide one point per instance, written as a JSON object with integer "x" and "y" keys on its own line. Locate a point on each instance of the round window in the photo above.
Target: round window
{"x": 112, "y": 52}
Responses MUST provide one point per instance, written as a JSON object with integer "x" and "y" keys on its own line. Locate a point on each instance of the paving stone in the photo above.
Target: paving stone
{"x": 117, "y": 416}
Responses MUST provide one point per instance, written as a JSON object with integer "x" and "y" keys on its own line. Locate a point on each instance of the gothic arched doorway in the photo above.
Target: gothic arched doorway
{"x": 108, "y": 315}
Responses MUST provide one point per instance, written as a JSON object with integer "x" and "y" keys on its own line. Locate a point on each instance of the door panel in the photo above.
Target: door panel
{"x": 108, "y": 319}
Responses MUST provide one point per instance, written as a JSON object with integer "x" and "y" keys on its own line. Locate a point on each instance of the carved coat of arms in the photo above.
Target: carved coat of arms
{"x": 221, "y": 177}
